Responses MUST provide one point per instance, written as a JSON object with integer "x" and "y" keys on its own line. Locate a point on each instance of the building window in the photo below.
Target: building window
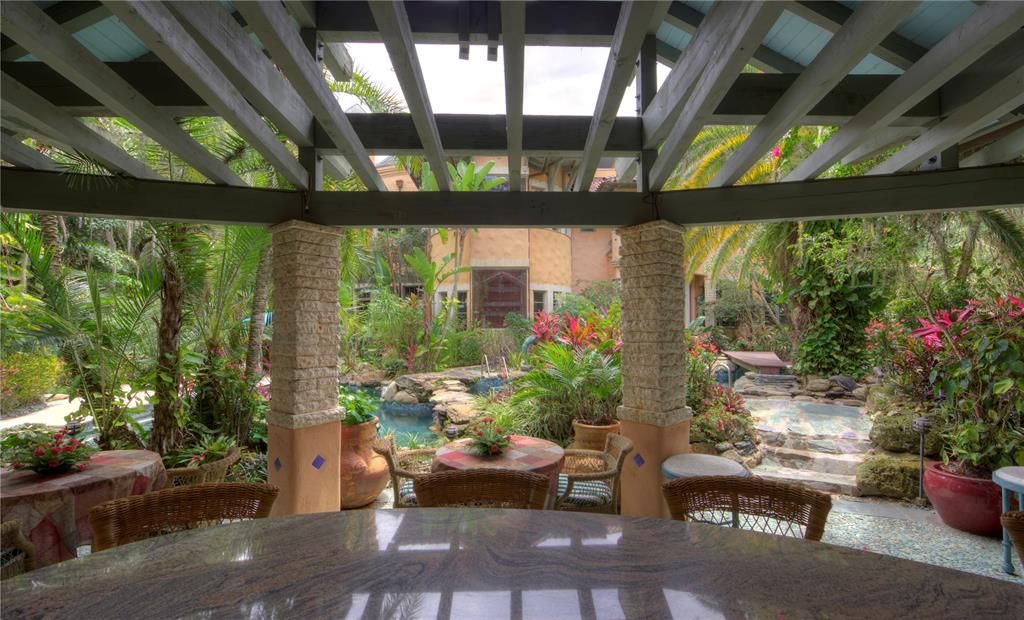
{"x": 408, "y": 290}
{"x": 463, "y": 297}
{"x": 538, "y": 301}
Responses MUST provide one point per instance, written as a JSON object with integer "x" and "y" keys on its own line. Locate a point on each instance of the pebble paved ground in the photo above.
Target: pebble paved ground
{"x": 913, "y": 533}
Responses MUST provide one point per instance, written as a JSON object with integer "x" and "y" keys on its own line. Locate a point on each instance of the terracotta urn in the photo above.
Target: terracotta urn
{"x": 364, "y": 473}
{"x": 967, "y": 504}
{"x": 591, "y": 437}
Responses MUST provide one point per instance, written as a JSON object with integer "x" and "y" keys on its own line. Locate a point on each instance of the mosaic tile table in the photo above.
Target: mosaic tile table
{"x": 523, "y": 454}
{"x": 54, "y": 509}
{"x": 493, "y": 564}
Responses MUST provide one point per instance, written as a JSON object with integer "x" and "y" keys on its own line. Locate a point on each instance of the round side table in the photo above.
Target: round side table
{"x": 690, "y": 465}
{"x": 1010, "y": 480}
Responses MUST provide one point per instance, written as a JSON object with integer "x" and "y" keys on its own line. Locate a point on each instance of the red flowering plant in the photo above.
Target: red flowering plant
{"x": 487, "y": 438}
{"x": 42, "y": 450}
{"x": 546, "y": 326}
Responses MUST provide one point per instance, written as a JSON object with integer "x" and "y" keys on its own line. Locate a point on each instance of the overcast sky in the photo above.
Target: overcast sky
{"x": 559, "y": 80}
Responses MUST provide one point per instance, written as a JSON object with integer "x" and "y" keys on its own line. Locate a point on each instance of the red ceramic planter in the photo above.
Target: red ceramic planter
{"x": 967, "y": 504}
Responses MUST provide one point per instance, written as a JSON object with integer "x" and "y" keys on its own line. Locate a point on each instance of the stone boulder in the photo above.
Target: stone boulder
{"x": 893, "y": 432}
{"x": 389, "y": 391}
{"x": 817, "y": 385}
{"x": 420, "y": 386}
{"x": 860, "y": 393}
{"x": 888, "y": 475}
{"x": 842, "y": 381}
{"x": 405, "y": 398}
{"x": 453, "y": 407}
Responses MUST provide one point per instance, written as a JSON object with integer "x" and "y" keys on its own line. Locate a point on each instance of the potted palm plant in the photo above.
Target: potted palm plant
{"x": 364, "y": 473}
{"x": 579, "y": 387}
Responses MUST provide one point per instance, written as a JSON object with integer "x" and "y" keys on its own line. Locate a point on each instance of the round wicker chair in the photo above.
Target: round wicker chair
{"x": 405, "y": 466}
{"x": 17, "y": 553}
{"x": 589, "y": 481}
{"x": 749, "y": 503}
{"x": 1013, "y": 523}
{"x": 214, "y": 471}
{"x": 482, "y": 488}
{"x": 125, "y": 520}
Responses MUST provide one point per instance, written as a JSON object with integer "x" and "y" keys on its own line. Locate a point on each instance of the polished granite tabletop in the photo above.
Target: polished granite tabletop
{"x": 465, "y": 563}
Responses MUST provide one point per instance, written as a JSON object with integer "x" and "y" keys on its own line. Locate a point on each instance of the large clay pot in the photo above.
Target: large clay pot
{"x": 591, "y": 437}
{"x": 364, "y": 473}
{"x": 967, "y": 504}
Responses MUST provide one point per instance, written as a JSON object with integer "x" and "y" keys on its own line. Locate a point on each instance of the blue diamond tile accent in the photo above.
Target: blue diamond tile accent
{"x": 639, "y": 460}
{"x": 319, "y": 461}
{"x": 277, "y": 464}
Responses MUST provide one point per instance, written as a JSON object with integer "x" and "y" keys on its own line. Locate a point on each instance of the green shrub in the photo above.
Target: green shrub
{"x": 359, "y": 405}
{"x": 26, "y": 377}
{"x": 252, "y": 467}
{"x": 604, "y": 293}
{"x": 573, "y": 305}
{"x": 463, "y": 348}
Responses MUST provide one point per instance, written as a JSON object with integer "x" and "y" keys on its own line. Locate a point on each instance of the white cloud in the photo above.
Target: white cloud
{"x": 558, "y": 80}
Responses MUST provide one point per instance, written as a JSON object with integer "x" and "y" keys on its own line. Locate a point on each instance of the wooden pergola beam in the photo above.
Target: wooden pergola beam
{"x": 749, "y": 97}
{"x": 513, "y": 46}
{"x": 17, "y": 153}
{"x": 635, "y": 20}
{"x": 894, "y": 48}
{"x": 247, "y": 67}
{"x": 162, "y": 33}
{"x": 46, "y": 40}
{"x": 982, "y": 31}
{"x": 840, "y": 55}
{"x": 393, "y": 24}
{"x": 273, "y": 26}
{"x": 51, "y": 122}
{"x": 73, "y": 16}
{"x": 966, "y": 188}
{"x": 1004, "y": 96}
{"x": 336, "y": 55}
{"x": 689, "y": 19}
{"x": 1002, "y": 150}
{"x": 702, "y": 78}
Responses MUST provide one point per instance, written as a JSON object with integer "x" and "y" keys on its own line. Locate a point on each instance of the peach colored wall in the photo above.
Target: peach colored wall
{"x": 550, "y": 258}
{"x": 591, "y": 257}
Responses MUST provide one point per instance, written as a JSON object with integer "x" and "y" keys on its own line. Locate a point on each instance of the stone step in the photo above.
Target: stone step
{"x": 832, "y": 444}
{"x": 828, "y": 463}
{"x": 829, "y": 483}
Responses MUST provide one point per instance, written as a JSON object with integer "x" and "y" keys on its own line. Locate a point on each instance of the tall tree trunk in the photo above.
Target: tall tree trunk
{"x": 258, "y": 317}
{"x": 933, "y": 224}
{"x": 967, "y": 251}
{"x": 50, "y": 226}
{"x": 168, "y": 367}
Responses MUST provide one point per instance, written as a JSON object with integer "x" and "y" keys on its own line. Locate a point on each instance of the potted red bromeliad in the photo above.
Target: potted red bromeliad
{"x": 978, "y": 377}
{"x": 488, "y": 439}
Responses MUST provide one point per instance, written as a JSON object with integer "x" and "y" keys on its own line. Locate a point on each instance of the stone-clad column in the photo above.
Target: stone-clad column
{"x": 304, "y": 421}
{"x": 653, "y": 414}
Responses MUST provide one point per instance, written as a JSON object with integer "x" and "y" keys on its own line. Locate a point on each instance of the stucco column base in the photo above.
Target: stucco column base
{"x": 305, "y": 464}
{"x": 655, "y": 437}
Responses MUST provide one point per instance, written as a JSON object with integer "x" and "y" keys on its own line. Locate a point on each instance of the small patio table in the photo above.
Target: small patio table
{"x": 1010, "y": 480}
{"x": 689, "y": 465}
{"x": 472, "y": 563}
{"x": 523, "y": 454}
{"x": 54, "y": 509}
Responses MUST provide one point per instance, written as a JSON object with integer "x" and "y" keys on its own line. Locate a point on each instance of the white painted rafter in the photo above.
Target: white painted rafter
{"x": 45, "y": 39}
{"x": 983, "y": 30}
{"x": 868, "y": 25}
{"x": 165, "y": 36}
{"x": 16, "y": 152}
{"x": 272, "y": 25}
{"x": 703, "y": 77}
{"x": 51, "y": 122}
{"x": 393, "y": 24}
{"x": 513, "y": 42}
{"x": 1007, "y": 94}
{"x": 635, "y": 20}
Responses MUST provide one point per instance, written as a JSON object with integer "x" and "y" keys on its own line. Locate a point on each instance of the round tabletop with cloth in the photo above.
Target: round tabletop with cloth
{"x": 494, "y": 564}
{"x": 523, "y": 454}
{"x": 690, "y": 465}
{"x": 54, "y": 509}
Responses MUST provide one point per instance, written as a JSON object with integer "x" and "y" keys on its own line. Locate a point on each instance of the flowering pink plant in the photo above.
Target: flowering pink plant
{"x": 487, "y": 438}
